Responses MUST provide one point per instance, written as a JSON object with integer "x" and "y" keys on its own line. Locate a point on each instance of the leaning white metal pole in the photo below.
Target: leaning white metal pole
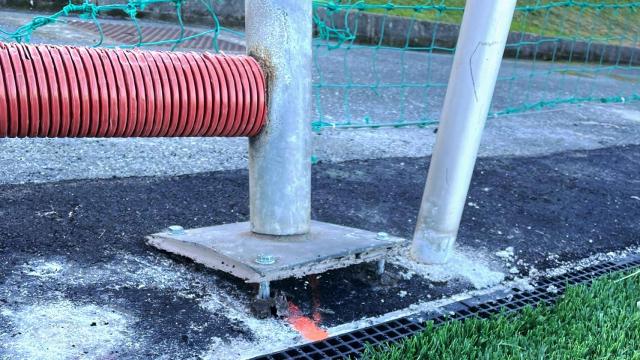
{"x": 278, "y": 35}
{"x": 481, "y": 43}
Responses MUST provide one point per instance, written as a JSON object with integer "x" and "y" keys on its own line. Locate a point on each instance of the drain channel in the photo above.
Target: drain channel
{"x": 546, "y": 291}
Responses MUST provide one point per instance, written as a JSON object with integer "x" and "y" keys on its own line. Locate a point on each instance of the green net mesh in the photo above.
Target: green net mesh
{"x": 386, "y": 63}
{"x": 103, "y": 20}
{"x": 398, "y": 54}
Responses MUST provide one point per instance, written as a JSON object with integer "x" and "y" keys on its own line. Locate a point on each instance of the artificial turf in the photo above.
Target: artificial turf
{"x": 600, "y": 320}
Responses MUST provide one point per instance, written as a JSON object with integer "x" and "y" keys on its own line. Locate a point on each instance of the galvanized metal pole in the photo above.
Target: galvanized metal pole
{"x": 481, "y": 43}
{"x": 264, "y": 291}
{"x": 278, "y": 35}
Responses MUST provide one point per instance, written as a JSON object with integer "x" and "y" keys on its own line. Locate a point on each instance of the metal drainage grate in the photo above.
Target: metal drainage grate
{"x": 547, "y": 291}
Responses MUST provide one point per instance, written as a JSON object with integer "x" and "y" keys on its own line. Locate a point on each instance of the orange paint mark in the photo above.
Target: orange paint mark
{"x": 306, "y": 326}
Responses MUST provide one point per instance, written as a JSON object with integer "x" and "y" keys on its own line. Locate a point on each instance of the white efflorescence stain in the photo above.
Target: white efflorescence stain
{"x": 474, "y": 268}
{"x": 56, "y": 327}
{"x": 63, "y": 330}
{"x": 43, "y": 269}
{"x": 269, "y": 334}
{"x": 53, "y": 325}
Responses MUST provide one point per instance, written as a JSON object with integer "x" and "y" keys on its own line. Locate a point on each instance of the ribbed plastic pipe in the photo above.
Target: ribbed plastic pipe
{"x": 65, "y": 91}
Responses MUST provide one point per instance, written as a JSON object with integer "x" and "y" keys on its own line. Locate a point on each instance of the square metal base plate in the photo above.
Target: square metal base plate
{"x": 233, "y": 248}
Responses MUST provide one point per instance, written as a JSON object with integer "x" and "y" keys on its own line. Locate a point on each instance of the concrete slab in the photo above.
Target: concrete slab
{"x": 234, "y": 249}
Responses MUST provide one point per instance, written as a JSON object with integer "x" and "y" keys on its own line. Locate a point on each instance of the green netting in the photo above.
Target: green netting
{"x": 395, "y": 57}
{"x": 131, "y": 10}
{"x": 380, "y": 63}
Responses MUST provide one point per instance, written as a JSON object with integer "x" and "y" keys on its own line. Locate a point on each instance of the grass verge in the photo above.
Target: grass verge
{"x": 551, "y": 18}
{"x": 600, "y": 321}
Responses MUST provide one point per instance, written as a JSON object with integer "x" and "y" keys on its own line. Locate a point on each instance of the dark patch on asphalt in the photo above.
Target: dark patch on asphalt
{"x": 573, "y": 204}
{"x": 169, "y": 323}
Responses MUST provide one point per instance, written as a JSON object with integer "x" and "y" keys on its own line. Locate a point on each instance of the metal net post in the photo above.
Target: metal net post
{"x": 278, "y": 34}
{"x": 280, "y": 240}
{"x": 481, "y": 43}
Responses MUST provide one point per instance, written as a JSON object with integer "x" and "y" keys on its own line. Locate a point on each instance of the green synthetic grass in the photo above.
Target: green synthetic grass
{"x": 601, "y": 321}
{"x": 598, "y": 24}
